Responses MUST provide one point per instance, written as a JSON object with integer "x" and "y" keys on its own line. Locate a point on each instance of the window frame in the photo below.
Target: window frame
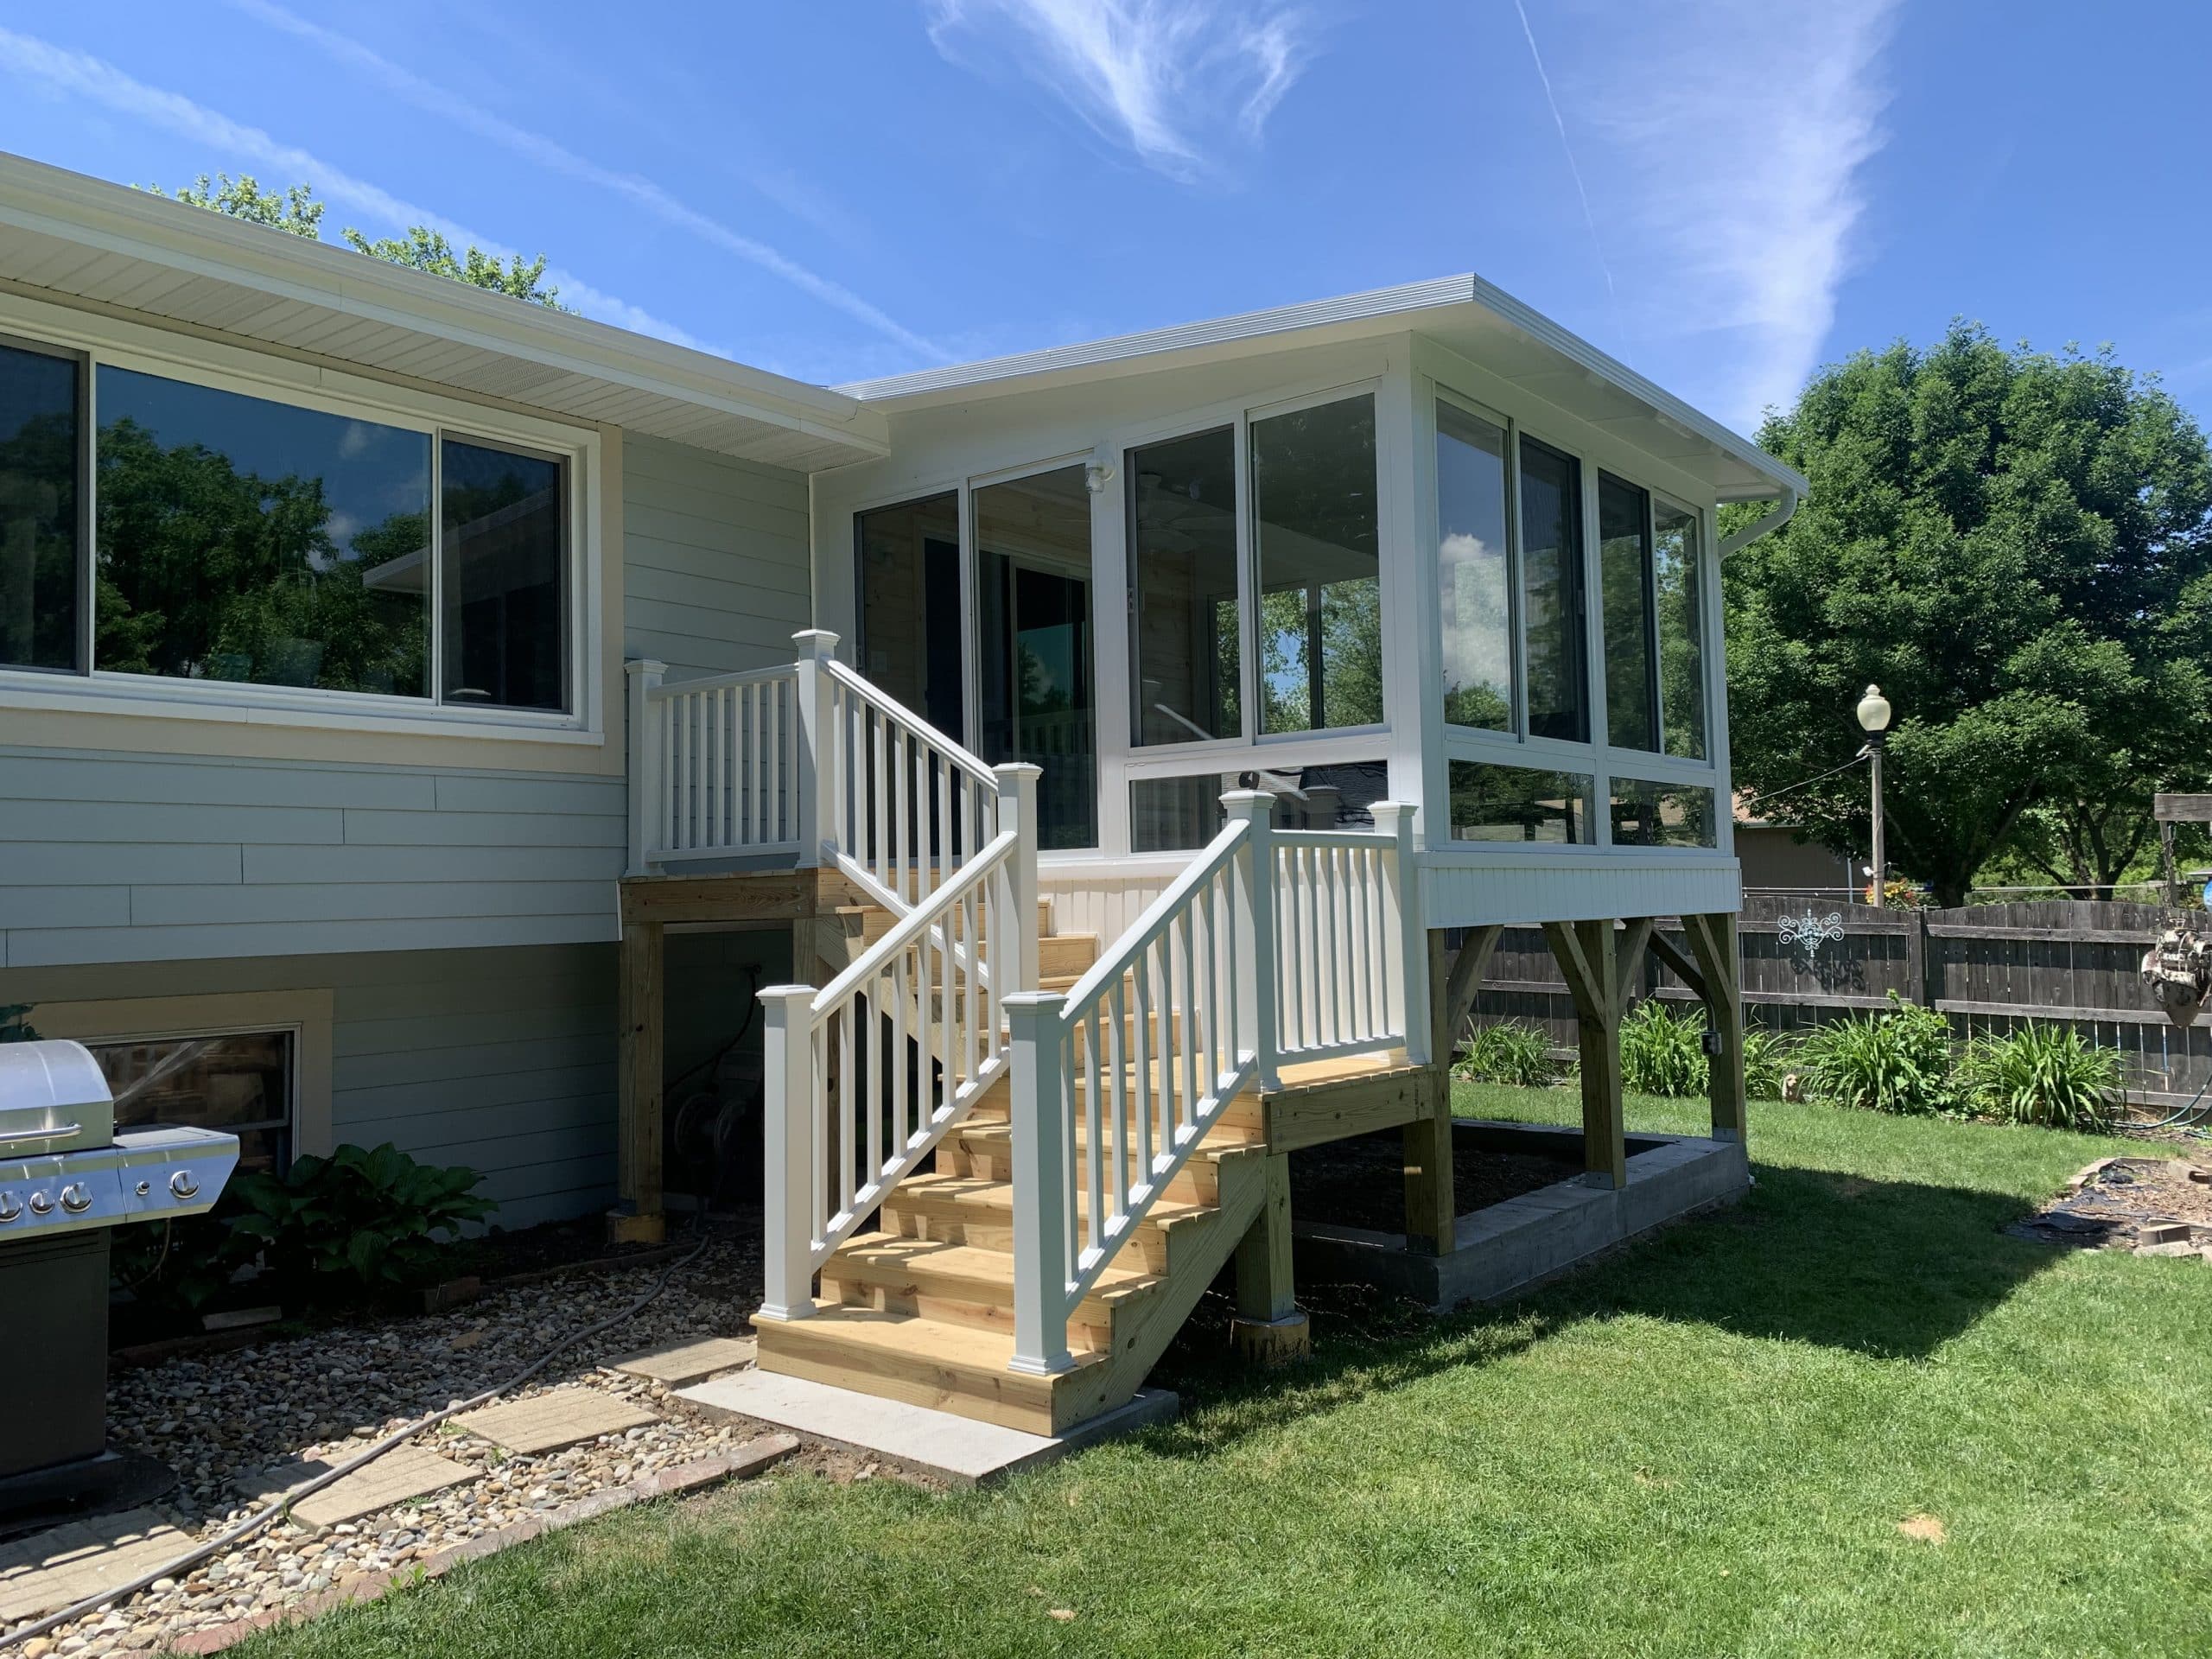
{"x": 93, "y": 343}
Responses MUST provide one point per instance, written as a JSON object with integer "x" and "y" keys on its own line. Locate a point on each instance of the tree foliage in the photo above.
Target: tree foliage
{"x": 297, "y": 210}
{"x": 2015, "y": 546}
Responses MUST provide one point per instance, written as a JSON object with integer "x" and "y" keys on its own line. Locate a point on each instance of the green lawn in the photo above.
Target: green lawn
{"x": 1703, "y": 1446}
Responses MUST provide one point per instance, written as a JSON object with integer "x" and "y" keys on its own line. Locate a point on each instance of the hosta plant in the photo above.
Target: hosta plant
{"x": 377, "y": 1218}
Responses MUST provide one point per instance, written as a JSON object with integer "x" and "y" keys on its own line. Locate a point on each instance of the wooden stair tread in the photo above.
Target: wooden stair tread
{"x": 979, "y": 1192}
{"x": 968, "y": 1348}
{"x": 881, "y": 1256}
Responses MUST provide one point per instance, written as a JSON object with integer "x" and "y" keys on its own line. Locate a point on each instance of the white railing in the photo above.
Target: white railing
{"x": 1117, "y": 1082}
{"x": 713, "y": 766}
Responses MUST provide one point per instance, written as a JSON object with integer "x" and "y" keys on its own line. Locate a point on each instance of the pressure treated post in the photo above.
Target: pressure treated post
{"x": 1405, "y": 940}
{"x": 787, "y": 1191}
{"x": 1041, "y": 1199}
{"x": 1713, "y": 941}
{"x": 1269, "y": 1328}
{"x": 1018, "y": 811}
{"x": 817, "y": 794}
{"x": 1590, "y": 961}
{"x": 647, "y": 785}
{"x": 1254, "y": 912}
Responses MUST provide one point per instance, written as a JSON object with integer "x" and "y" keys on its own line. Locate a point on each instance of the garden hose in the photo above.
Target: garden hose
{"x": 239, "y": 1531}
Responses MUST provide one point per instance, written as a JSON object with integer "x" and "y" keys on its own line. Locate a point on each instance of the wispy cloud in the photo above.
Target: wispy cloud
{"x": 1581, "y": 190}
{"x": 1176, "y": 80}
{"x": 234, "y": 143}
{"x": 551, "y": 153}
{"x": 1737, "y": 131}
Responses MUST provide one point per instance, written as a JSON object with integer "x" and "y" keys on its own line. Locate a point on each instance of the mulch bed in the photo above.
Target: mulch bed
{"x": 1361, "y": 1182}
{"x": 2108, "y": 1204}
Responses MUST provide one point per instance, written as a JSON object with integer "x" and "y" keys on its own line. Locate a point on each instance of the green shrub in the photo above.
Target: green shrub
{"x": 1898, "y": 1060}
{"x": 2042, "y": 1073}
{"x": 1511, "y": 1050}
{"x": 1663, "y": 1052}
{"x": 373, "y": 1217}
{"x": 1767, "y": 1059}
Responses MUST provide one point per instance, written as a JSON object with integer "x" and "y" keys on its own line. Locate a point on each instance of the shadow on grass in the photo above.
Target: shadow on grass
{"x": 1887, "y": 1269}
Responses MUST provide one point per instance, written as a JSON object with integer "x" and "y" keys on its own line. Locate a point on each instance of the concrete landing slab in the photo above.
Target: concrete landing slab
{"x": 957, "y": 1450}
{"x": 403, "y": 1473}
{"x": 692, "y": 1362}
{"x": 47, "y": 1570}
{"x": 549, "y": 1422}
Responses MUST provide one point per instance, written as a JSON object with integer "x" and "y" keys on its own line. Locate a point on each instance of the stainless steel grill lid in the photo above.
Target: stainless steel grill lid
{"x": 52, "y": 1098}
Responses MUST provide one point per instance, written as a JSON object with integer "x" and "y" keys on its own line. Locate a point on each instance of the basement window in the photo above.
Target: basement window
{"x": 238, "y": 1081}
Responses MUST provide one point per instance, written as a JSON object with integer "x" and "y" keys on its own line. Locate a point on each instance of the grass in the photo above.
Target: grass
{"x": 1705, "y": 1445}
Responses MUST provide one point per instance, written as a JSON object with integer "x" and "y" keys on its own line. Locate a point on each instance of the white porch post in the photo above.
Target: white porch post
{"x": 787, "y": 1125}
{"x": 817, "y": 789}
{"x": 1405, "y": 938}
{"x": 1018, "y": 812}
{"x": 1258, "y": 983}
{"x": 1040, "y": 1116}
{"x": 646, "y": 786}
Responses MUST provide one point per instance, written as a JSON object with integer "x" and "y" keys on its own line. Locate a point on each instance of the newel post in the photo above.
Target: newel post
{"x": 1258, "y": 979}
{"x": 787, "y": 1120}
{"x": 1041, "y": 1199}
{"x": 1405, "y": 937}
{"x": 817, "y": 796}
{"x": 1018, "y": 812}
{"x": 648, "y": 804}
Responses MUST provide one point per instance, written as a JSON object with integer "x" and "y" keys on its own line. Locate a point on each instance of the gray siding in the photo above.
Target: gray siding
{"x": 500, "y": 1059}
{"x": 108, "y": 857}
{"x": 716, "y": 577}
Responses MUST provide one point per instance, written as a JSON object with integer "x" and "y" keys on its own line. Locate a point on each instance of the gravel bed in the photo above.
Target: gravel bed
{"x": 222, "y": 1420}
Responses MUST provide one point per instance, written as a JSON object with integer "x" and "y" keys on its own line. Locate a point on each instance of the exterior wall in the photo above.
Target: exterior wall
{"x": 500, "y": 1059}
{"x": 1772, "y": 857}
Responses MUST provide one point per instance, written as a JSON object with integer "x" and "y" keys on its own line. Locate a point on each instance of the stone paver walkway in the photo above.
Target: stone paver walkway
{"x": 547, "y": 1422}
{"x": 49, "y": 1570}
{"x": 403, "y": 1472}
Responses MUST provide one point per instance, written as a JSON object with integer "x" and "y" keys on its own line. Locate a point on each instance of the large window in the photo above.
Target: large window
{"x": 1521, "y": 804}
{"x": 1681, "y": 601}
{"x": 910, "y": 642}
{"x": 1551, "y": 593}
{"x": 1473, "y": 570}
{"x": 1183, "y": 814}
{"x": 1625, "y": 572}
{"x": 239, "y": 538}
{"x": 1182, "y": 588}
{"x": 1319, "y": 552}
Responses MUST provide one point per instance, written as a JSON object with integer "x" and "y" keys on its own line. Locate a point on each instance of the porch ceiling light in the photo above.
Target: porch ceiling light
{"x": 1874, "y": 712}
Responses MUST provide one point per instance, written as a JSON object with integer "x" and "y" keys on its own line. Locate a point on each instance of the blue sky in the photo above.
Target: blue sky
{"x": 1723, "y": 194}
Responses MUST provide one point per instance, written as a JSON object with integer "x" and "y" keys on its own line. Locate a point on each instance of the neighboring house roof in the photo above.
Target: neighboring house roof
{"x": 1480, "y": 322}
{"x": 64, "y": 234}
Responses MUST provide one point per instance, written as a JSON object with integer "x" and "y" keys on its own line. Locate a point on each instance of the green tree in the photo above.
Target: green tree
{"x": 297, "y": 211}
{"x": 2015, "y": 546}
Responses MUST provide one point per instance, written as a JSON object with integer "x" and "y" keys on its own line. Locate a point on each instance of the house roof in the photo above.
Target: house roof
{"x": 1480, "y": 320}
{"x": 65, "y": 235}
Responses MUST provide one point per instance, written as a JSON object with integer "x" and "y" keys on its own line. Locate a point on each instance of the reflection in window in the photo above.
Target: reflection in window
{"x": 1173, "y": 814}
{"x": 1182, "y": 588}
{"x": 1320, "y": 630}
{"x": 1476, "y": 594}
{"x": 1680, "y": 604}
{"x": 39, "y": 459}
{"x": 505, "y": 633}
{"x": 1520, "y": 804}
{"x": 1662, "y": 815}
{"x": 1032, "y": 565}
{"x": 1551, "y": 593}
{"x": 1625, "y": 571}
{"x": 909, "y": 605}
{"x": 242, "y": 539}
{"x": 241, "y": 1084}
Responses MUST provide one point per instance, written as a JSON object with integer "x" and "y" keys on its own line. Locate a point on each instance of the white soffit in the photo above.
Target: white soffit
{"x": 71, "y": 237}
{"x": 1464, "y": 314}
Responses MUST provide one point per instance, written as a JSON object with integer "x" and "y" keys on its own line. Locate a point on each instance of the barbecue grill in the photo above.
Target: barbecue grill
{"x": 66, "y": 1180}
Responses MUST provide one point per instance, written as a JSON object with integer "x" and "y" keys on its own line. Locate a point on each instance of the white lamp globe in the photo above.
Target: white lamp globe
{"x": 1873, "y": 711}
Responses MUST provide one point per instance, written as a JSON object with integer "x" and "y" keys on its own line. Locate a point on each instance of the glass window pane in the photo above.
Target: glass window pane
{"x": 1174, "y": 815}
{"x": 245, "y": 539}
{"x": 1520, "y": 804}
{"x": 1679, "y": 593}
{"x": 1551, "y": 593}
{"x": 1320, "y": 585}
{"x": 910, "y": 607}
{"x": 39, "y": 459}
{"x": 1662, "y": 815}
{"x": 240, "y": 1083}
{"x": 1033, "y": 563}
{"x": 1182, "y": 588}
{"x": 505, "y": 586}
{"x": 1476, "y": 592}
{"x": 1625, "y": 567}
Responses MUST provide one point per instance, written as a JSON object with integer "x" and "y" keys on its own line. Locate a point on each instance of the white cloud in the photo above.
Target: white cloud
{"x": 1738, "y": 130}
{"x": 550, "y": 153}
{"x": 235, "y": 144}
{"x": 1171, "y": 78}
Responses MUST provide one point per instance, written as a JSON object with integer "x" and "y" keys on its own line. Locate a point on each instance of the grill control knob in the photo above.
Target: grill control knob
{"x": 76, "y": 1198}
{"x": 185, "y": 1184}
{"x": 41, "y": 1204}
{"x": 11, "y": 1206}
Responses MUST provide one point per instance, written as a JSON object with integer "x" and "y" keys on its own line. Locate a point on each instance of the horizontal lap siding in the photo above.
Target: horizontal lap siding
{"x": 715, "y": 574}
{"x": 114, "y": 857}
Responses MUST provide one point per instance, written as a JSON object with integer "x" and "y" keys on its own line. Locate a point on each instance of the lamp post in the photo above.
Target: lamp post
{"x": 1874, "y": 721}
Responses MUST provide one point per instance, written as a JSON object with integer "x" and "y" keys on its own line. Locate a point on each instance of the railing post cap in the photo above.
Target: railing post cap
{"x": 1249, "y": 803}
{"x": 1391, "y": 810}
{"x": 1033, "y": 999}
{"x": 637, "y": 665}
{"x": 815, "y": 642}
{"x": 768, "y": 994}
{"x": 1017, "y": 770}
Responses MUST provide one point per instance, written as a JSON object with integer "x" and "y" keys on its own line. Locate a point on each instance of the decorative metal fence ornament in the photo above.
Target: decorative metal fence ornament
{"x": 1809, "y": 932}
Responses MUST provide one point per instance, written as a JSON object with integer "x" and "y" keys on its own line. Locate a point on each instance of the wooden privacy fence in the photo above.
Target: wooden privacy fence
{"x": 1988, "y": 967}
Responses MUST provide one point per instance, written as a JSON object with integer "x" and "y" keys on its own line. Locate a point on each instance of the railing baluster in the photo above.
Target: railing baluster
{"x": 1117, "y": 1084}
{"x": 1187, "y": 1037}
{"x": 1094, "y": 1144}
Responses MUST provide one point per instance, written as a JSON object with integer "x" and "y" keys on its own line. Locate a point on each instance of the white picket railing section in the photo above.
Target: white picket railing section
{"x": 713, "y": 761}
{"x": 1341, "y": 937}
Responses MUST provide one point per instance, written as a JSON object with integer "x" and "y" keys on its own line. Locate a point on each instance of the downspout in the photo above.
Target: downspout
{"x": 1759, "y": 527}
